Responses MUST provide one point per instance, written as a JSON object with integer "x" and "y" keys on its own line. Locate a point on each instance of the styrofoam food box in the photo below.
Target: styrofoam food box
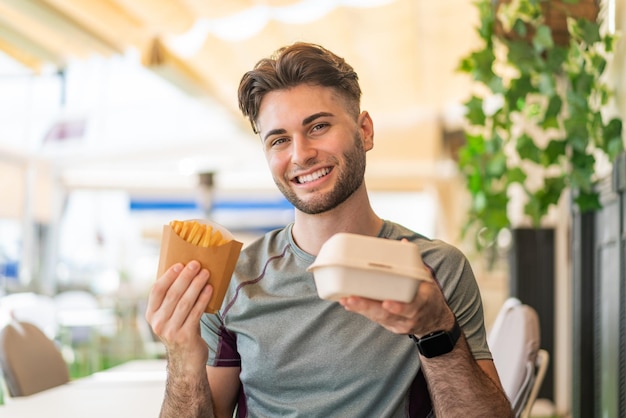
{"x": 371, "y": 267}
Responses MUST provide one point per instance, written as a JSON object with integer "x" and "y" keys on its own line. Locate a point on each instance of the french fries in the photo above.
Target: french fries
{"x": 197, "y": 233}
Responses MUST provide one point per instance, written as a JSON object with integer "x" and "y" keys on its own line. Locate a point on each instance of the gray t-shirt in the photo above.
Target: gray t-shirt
{"x": 304, "y": 356}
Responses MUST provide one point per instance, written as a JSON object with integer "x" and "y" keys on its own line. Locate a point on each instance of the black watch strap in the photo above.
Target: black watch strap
{"x": 437, "y": 343}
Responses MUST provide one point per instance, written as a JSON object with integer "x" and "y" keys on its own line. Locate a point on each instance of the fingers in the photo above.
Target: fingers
{"x": 177, "y": 301}
{"x": 185, "y": 279}
{"x": 192, "y": 303}
{"x": 375, "y": 311}
{"x": 184, "y": 294}
{"x": 426, "y": 312}
{"x": 159, "y": 289}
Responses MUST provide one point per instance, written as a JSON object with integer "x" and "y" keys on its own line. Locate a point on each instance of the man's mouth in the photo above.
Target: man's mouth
{"x": 313, "y": 176}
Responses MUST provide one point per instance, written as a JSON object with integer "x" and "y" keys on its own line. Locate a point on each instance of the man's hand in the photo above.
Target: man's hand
{"x": 175, "y": 305}
{"x": 427, "y": 312}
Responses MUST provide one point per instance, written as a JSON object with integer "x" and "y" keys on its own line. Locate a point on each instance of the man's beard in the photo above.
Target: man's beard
{"x": 348, "y": 181}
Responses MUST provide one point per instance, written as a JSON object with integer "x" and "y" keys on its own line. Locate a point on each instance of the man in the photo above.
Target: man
{"x": 277, "y": 349}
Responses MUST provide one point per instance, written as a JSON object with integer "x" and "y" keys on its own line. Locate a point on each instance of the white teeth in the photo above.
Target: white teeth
{"x": 313, "y": 176}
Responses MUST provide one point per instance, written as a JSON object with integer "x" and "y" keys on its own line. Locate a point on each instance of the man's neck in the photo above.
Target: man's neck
{"x": 355, "y": 215}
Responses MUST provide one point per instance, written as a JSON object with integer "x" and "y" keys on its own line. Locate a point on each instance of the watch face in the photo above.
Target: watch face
{"x": 436, "y": 344}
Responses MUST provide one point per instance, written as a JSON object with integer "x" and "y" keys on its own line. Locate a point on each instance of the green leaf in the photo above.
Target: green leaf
{"x": 496, "y": 85}
{"x": 494, "y": 145}
{"x": 519, "y": 27}
{"x": 516, "y": 175}
{"x": 532, "y": 208}
{"x": 588, "y": 31}
{"x": 487, "y": 18}
{"x": 527, "y": 149}
{"x": 473, "y": 150}
{"x": 476, "y": 143}
{"x": 484, "y": 60}
{"x": 496, "y": 166}
{"x": 522, "y": 55}
{"x": 582, "y": 169}
{"x": 479, "y": 65}
{"x": 543, "y": 39}
{"x": 480, "y": 202}
{"x": 583, "y": 160}
{"x": 553, "y": 109}
{"x": 475, "y": 183}
{"x": 612, "y": 136}
{"x": 595, "y": 126}
{"x": 529, "y": 9}
{"x": 578, "y": 107}
{"x": 466, "y": 65}
{"x": 520, "y": 88}
{"x": 598, "y": 64}
{"x": 554, "y": 150}
{"x": 546, "y": 84}
{"x": 615, "y": 147}
{"x": 578, "y": 142}
{"x": 588, "y": 201}
{"x": 576, "y": 133}
{"x": 582, "y": 85}
{"x": 553, "y": 188}
{"x": 541, "y": 200}
{"x": 475, "y": 114}
{"x": 532, "y": 110}
{"x": 495, "y": 213}
{"x": 555, "y": 59}
{"x": 608, "y": 42}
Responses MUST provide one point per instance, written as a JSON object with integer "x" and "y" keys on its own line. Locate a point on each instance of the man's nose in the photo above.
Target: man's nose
{"x": 303, "y": 150}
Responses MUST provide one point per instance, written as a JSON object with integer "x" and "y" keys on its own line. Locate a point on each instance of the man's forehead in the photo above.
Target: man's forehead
{"x": 298, "y": 104}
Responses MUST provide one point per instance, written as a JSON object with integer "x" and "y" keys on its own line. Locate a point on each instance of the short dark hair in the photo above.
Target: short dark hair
{"x": 290, "y": 66}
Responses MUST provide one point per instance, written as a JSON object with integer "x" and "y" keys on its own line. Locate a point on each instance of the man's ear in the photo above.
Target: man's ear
{"x": 366, "y": 125}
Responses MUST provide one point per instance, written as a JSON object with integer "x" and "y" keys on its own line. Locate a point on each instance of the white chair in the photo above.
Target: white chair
{"x": 514, "y": 341}
{"x": 541, "y": 365}
{"x": 497, "y": 323}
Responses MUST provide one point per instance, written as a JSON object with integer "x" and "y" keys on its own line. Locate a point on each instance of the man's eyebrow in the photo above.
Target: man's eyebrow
{"x": 278, "y": 131}
{"x": 314, "y": 116}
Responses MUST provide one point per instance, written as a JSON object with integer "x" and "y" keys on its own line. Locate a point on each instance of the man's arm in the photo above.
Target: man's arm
{"x": 459, "y": 386}
{"x": 224, "y": 385}
{"x": 175, "y": 305}
{"x": 186, "y": 392}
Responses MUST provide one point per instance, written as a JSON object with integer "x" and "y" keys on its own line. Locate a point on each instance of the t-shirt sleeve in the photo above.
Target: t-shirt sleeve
{"x": 455, "y": 275}
{"x": 222, "y": 343}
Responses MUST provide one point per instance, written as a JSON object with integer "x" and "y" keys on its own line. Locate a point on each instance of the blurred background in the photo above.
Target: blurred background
{"x": 117, "y": 116}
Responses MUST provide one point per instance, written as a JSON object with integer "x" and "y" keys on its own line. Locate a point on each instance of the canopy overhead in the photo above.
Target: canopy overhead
{"x": 405, "y": 52}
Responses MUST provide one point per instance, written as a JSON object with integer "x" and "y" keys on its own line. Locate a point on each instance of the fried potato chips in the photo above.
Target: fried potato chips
{"x": 197, "y": 233}
{"x": 209, "y": 243}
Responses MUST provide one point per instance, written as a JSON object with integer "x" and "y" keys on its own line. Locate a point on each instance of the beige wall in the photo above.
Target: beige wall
{"x": 21, "y": 182}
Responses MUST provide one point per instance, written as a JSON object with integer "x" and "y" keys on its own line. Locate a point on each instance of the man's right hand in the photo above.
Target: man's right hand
{"x": 175, "y": 304}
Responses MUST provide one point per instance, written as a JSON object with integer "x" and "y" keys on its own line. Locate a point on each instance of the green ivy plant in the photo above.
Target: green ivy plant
{"x": 536, "y": 109}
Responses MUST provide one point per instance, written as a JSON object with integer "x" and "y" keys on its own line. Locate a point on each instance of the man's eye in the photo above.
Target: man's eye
{"x": 278, "y": 141}
{"x": 319, "y": 126}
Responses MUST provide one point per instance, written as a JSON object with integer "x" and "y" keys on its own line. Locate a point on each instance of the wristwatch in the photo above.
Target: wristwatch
{"x": 438, "y": 342}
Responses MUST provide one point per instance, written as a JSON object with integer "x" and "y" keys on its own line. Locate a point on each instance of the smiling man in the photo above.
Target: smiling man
{"x": 275, "y": 348}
